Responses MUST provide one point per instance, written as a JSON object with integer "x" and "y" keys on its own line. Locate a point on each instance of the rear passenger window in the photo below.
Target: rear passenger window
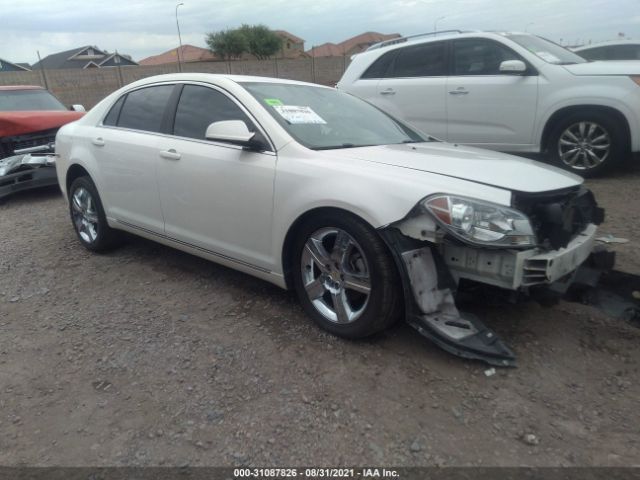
{"x": 480, "y": 57}
{"x": 112, "y": 117}
{"x": 426, "y": 60}
{"x": 143, "y": 109}
{"x": 201, "y": 106}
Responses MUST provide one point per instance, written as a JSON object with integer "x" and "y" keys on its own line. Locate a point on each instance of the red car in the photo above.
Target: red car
{"x": 30, "y": 116}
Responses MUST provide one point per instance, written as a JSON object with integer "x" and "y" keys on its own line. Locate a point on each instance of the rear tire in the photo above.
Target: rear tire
{"x": 587, "y": 143}
{"x": 88, "y": 218}
{"x": 345, "y": 277}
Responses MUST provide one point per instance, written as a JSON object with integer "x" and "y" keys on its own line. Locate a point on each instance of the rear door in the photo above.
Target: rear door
{"x": 126, "y": 148}
{"x": 216, "y": 196}
{"x": 412, "y": 87}
{"x": 485, "y": 107}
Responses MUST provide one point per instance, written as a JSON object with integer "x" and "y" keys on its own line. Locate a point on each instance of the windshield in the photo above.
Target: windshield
{"x": 324, "y": 118}
{"x": 548, "y": 51}
{"x": 23, "y": 100}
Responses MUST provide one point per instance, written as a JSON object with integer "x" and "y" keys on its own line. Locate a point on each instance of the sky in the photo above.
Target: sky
{"x": 148, "y": 27}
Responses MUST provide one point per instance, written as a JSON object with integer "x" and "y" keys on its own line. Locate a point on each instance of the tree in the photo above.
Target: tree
{"x": 262, "y": 42}
{"x": 257, "y": 40}
{"x": 227, "y": 44}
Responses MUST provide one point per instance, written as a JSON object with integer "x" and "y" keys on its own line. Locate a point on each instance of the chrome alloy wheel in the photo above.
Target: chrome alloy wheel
{"x": 85, "y": 216}
{"x": 584, "y": 145}
{"x": 336, "y": 275}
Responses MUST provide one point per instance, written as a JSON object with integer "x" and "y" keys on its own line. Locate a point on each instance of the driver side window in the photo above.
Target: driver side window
{"x": 480, "y": 57}
{"x": 199, "y": 107}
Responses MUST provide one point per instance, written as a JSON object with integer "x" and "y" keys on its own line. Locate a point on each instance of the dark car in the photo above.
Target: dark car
{"x": 30, "y": 116}
{"x": 620, "y": 50}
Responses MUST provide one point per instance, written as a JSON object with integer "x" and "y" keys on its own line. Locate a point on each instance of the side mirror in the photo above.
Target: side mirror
{"x": 232, "y": 131}
{"x": 77, "y": 108}
{"x": 513, "y": 66}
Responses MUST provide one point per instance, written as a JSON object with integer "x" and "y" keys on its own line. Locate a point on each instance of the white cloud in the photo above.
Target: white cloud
{"x": 147, "y": 27}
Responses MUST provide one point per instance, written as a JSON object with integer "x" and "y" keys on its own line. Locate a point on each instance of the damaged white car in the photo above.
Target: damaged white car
{"x": 309, "y": 188}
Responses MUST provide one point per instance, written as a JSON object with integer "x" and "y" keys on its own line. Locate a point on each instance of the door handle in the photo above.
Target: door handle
{"x": 170, "y": 154}
{"x": 388, "y": 91}
{"x": 459, "y": 91}
{"x": 98, "y": 142}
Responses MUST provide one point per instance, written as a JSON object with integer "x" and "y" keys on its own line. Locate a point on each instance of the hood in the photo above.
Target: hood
{"x": 468, "y": 163}
{"x": 20, "y": 123}
{"x": 619, "y": 67}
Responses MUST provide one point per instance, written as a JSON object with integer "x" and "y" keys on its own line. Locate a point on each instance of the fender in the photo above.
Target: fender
{"x": 622, "y": 107}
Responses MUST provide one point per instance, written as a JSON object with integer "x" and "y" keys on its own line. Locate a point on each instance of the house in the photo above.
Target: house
{"x": 188, "y": 54}
{"x": 351, "y": 46}
{"x": 6, "y": 66}
{"x": 292, "y": 46}
{"x": 84, "y": 57}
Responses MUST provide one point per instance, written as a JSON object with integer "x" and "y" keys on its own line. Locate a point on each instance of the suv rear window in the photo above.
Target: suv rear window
{"x": 143, "y": 109}
{"x": 379, "y": 68}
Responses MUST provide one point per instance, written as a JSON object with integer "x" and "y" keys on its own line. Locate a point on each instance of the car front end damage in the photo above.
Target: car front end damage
{"x": 543, "y": 242}
{"x": 32, "y": 167}
{"x": 27, "y": 143}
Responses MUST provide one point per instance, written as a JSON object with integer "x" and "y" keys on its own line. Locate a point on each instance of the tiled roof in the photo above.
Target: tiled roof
{"x": 359, "y": 42}
{"x": 16, "y": 66}
{"x": 189, "y": 53}
{"x": 290, "y": 36}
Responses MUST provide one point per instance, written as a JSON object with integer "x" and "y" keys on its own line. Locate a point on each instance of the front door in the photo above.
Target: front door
{"x": 485, "y": 107}
{"x": 215, "y": 196}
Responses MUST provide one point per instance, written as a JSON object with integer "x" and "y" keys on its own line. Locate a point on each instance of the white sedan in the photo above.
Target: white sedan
{"x": 309, "y": 188}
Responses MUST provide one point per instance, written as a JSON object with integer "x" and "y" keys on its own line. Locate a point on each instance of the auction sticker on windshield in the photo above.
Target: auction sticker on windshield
{"x": 296, "y": 115}
{"x": 273, "y": 101}
{"x": 548, "y": 57}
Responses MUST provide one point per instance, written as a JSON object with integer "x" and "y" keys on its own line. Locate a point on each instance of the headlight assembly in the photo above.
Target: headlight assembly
{"x": 479, "y": 222}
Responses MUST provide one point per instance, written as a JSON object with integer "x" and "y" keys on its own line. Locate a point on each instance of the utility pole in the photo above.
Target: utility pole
{"x": 179, "y": 38}
{"x": 44, "y": 75}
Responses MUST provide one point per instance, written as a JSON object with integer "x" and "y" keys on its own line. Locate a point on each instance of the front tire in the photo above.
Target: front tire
{"x": 345, "y": 277}
{"x": 88, "y": 218}
{"x": 587, "y": 144}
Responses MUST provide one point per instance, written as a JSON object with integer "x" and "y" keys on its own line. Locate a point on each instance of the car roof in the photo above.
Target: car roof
{"x": 439, "y": 36}
{"x": 218, "y": 77}
{"x": 610, "y": 43}
{"x": 21, "y": 87}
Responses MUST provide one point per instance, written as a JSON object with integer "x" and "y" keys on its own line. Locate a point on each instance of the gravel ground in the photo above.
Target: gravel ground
{"x": 149, "y": 356}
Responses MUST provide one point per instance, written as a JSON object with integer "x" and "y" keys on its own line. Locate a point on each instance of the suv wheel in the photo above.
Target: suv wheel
{"x": 88, "y": 218}
{"x": 345, "y": 278}
{"x": 587, "y": 143}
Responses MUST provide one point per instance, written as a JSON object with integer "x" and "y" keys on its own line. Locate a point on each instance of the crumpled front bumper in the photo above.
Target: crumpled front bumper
{"x": 24, "y": 172}
{"x": 431, "y": 273}
{"x": 514, "y": 269}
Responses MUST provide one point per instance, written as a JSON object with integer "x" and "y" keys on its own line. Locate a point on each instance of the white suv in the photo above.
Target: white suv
{"x": 511, "y": 92}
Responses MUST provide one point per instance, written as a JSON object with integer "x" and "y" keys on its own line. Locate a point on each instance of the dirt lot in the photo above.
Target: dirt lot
{"x": 148, "y": 356}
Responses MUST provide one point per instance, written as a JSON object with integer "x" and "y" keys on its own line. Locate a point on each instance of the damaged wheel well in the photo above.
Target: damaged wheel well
{"x": 75, "y": 171}
{"x": 289, "y": 241}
